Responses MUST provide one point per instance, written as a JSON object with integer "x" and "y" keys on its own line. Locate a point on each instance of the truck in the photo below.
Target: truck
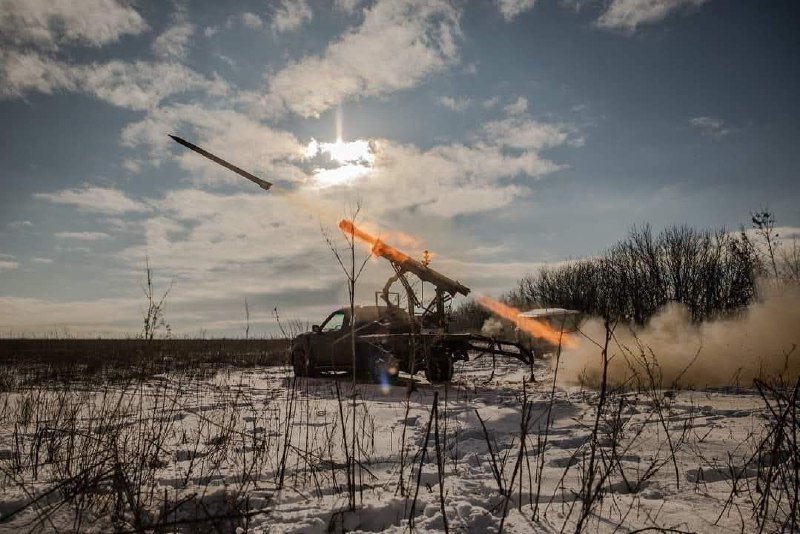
{"x": 390, "y": 338}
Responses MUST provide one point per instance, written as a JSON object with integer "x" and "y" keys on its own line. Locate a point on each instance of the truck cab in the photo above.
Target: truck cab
{"x": 381, "y": 343}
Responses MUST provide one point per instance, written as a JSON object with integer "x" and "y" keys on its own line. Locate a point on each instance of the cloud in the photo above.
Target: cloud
{"x": 347, "y": 6}
{"x": 82, "y": 236}
{"x": 525, "y": 134}
{"x": 132, "y": 165}
{"x": 711, "y": 126}
{"x": 20, "y": 224}
{"x": 453, "y": 179}
{"x": 511, "y": 8}
{"x": 518, "y": 107}
{"x": 42, "y": 261}
{"x": 22, "y": 72}
{"x": 8, "y": 265}
{"x": 397, "y": 46}
{"x": 454, "y": 103}
{"x": 626, "y": 15}
{"x": 48, "y": 23}
{"x": 95, "y": 200}
{"x": 138, "y": 85}
{"x": 252, "y": 21}
{"x": 173, "y": 43}
{"x": 290, "y": 15}
{"x": 490, "y": 102}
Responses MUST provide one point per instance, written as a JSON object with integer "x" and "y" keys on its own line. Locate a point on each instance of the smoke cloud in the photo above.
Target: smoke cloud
{"x": 492, "y": 327}
{"x": 762, "y": 343}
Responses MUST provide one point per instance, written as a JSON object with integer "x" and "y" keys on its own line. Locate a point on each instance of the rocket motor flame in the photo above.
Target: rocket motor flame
{"x": 377, "y": 247}
{"x": 531, "y": 326}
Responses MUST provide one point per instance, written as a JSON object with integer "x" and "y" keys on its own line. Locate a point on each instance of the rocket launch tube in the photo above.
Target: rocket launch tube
{"x": 263, "y": 184}
{"x": 404, "y": 261}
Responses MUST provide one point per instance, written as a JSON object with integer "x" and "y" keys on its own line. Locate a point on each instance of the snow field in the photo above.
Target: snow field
{"x": 260, "y": 451}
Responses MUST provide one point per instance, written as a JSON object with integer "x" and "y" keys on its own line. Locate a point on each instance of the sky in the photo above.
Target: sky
{"x": 500, "y": 135}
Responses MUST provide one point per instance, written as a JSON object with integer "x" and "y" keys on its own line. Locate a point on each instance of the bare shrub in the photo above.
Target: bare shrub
{"x": 710, "y": 272}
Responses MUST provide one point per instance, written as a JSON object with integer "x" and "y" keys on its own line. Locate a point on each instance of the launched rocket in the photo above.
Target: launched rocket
{"x": 263, "y": 184}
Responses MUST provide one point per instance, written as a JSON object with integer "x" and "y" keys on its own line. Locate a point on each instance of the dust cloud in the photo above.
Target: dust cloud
{"x": 492, "y": 327}
{"x": 761, "y": 342}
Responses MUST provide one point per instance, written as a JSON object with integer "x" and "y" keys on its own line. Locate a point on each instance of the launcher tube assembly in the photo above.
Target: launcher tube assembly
{"x": 404, "y": 262}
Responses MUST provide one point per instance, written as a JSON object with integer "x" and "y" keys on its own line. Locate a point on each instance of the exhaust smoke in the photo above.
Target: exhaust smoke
{"x": 761, "y": 343}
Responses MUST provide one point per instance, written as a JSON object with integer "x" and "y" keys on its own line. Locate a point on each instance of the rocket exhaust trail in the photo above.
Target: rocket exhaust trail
{"x": 263, "y": 184}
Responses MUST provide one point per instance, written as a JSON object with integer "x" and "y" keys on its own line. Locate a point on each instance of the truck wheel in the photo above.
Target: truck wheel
{"x": 302, "y": 362}
{"x": 439, "y": 368}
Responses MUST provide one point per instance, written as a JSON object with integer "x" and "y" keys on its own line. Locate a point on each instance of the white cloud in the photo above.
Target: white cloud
{"x": 453, "y": 179}
{"x": 95, "y": 199}
{"x": 290, "y": 15}
{"x": 490, "y": 102}
{"x": 575, "y": 5}
{"x": 42, "y": 261}
{"x": 210, "y": 31}
{"x": 173, "y": 43}
{"x": 626, "y": 15}
{"x": 252, "y": 21}
{"x": 518, "y": 107}
{"x": 139, "y": 85}
{"x": 8, "y": 265}
{"x": 398, "y": 44}
{"x": 511, "y": 8}
{"x": 711, "y": 126}
{"x": 20, "y": 224}
{"x": 132, "y": 165}
{"x": 524, "y": 134}
{"x": 82, "y": 236}
{"x": 454, "y": 103}
{"x": 143, "y": 85}
{"x": 21, "y": 73}
{"x": 347, "y": 5}
{"x": 49, "y": 23}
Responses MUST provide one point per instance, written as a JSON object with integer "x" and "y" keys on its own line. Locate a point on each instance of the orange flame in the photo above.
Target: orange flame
{"x": 377, "y": 247}
{"x": 531, "y": 326}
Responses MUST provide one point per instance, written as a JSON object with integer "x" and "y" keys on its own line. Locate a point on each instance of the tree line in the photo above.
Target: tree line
{"x": 711, "y": 272}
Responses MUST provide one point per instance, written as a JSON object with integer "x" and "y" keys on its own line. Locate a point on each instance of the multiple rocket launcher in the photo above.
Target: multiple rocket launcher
{"x": 446, "y": 288}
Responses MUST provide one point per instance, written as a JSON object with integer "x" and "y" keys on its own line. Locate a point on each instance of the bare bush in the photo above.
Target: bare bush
{"x": 711, "y": 272}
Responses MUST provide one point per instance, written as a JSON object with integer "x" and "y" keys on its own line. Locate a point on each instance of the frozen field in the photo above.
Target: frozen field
{"x": 257, "y": 450}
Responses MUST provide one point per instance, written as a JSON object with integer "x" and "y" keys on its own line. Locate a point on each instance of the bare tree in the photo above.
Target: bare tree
{"x": 764, "y": 225}
{"x": 247, "y": 319}
{"x": 154, "y": 315}
{"x": 352, "y": 271}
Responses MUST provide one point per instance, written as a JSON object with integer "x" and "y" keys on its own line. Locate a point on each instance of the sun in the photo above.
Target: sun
{"x": 347, "y": 162}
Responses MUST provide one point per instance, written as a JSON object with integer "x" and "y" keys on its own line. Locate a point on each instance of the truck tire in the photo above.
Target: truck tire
{"x": 302, "y": 362}
{"x": 439, "y": 367}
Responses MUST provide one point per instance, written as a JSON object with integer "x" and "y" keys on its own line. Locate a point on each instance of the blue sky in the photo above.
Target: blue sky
{"x": 500, "y": 135}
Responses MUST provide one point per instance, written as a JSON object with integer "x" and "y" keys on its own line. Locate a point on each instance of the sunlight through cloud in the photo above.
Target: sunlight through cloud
{"x": 341, "y": 162}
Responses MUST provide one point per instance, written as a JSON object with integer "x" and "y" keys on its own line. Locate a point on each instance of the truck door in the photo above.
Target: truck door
{"x": 331, "y": 342}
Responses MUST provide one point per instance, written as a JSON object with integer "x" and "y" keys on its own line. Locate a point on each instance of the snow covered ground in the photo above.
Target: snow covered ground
{"x": 257, "y": 450}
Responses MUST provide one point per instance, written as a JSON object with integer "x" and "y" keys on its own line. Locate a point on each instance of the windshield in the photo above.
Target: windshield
{"x": 334, "y": 323}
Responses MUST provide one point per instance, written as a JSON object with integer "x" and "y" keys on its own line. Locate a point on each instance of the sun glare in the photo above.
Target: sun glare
{"x": 348, "y": 161}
